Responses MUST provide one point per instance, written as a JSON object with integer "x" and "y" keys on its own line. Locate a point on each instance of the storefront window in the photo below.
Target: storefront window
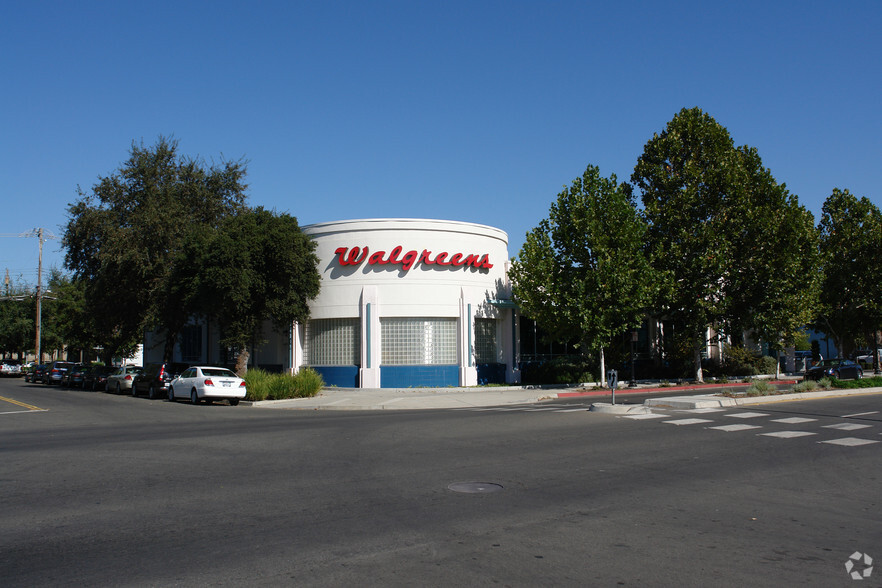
{"x": 485, "y": 341}
{"x": 191, "y": 343}
{"x": 418, "y": 341}
{"x": 333, "y": 341}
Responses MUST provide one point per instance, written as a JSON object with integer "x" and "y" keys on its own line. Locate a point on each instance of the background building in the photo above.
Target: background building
{"x": 410, "y": 302}
{"x": 403, "y": 303}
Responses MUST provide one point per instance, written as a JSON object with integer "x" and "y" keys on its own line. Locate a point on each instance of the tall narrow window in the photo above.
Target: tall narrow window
{"x": 191, "y": 343}
{"x": 486, "y": 344}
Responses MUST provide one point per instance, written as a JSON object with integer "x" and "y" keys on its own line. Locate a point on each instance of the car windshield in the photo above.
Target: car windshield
{"x": 218, "y": 372}
{"x": 831, "y": 362}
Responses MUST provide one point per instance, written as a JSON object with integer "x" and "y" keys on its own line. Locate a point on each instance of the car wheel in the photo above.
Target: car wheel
{"x": 194, "y": 396}
{"x": 171, "y": 394}
{"x": 151, "y": 393}
{"x": 134, "y": 390}
{"x": 118, "y": 389}
{"x": 234, "y": 402}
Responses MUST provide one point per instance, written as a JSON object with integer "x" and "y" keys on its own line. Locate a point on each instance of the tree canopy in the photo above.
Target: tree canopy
{"x": 150, "y": 238}
{"x": 851, "y": 240}
{"x": 257, "y": 267}
{"x": 736, "y": 250}
{"x": 583, "y": 273}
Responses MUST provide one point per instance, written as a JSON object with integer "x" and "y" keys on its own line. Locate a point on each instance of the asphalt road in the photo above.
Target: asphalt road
{"x": 104, "y": 490}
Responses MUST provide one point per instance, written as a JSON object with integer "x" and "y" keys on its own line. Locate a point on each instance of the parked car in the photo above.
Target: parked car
{"x": 55, "y": 372}
{"x": 122, "y": 379}
{"x": 866, "y": 356}
{"x": 74, "y": 376}
{"x": 207, "y": 383}
{"x": 10, "y": 367}
{"x": 35, "y": 373}
{"x": 840, "y": 369}
{"x": 95, "y": 378}
{"x": 155, "y": 378}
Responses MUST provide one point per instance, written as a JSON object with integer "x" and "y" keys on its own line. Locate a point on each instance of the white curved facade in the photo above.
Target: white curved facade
{"x": 409, "y": 302}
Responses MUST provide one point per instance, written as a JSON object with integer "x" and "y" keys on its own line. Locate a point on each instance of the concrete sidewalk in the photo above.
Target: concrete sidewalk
{"x": 439, "y": 398}
{"x": 410, "y": 398}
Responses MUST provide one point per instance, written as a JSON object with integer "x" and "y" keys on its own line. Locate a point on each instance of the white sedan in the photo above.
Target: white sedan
{"x": 207, "y": 383}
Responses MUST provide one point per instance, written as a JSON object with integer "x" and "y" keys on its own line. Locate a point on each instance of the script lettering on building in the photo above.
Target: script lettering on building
{"x": 353, "y": 256}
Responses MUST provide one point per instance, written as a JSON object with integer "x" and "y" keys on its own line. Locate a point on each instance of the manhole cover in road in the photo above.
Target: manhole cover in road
{"x": 475, "y": 487}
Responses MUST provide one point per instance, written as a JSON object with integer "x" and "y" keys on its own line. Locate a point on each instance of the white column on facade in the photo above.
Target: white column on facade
{"x": 296, "y": 347}
{"x": 371, "y": 341}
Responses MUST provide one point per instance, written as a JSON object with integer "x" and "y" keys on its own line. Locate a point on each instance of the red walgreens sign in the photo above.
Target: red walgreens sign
{"x": 356, "y": 256}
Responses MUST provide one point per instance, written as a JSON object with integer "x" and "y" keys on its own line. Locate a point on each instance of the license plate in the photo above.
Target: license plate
{"x": 226, "y": 384}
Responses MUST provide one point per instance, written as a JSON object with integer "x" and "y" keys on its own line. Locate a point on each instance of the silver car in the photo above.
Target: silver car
{"x": 121, "y": 380}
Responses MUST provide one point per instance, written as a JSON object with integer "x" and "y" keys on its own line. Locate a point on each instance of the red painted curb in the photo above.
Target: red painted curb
{"x": 624, "y": 391}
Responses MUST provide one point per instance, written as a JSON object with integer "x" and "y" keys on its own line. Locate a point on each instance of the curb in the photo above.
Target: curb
{"x": 605, "y": 407}
{"x": 690, "y": 402}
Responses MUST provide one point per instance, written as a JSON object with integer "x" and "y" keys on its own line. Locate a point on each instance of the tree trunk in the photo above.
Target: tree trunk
{"x": 699, "y": 375}
{"x": 602, "y": 369}
{"x": 242, "y": 362}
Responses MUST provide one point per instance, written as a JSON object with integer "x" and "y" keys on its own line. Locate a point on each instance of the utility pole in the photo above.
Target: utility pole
{"x": 39, "y": 351}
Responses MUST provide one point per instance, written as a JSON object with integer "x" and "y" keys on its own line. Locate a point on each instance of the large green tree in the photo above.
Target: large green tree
{"x": 686, "y": 176}
{"x": 17, "y": 314}
{"x": 123, "y": 238}
{"x": 582, "y": 273}
{"x": 258, "y": 267}
{"x": 737, "y": 251}
{"x": 773, "y": 278}
{"x": 851, "y": 239}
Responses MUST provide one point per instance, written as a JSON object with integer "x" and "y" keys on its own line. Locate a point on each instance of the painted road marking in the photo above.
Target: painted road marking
{"x": 30, "y": 407}
{"x": 857, "y": 414}
{"x": 849, "y": 441}
{"x": 747, "y": 415}
{"x": 679, "y": 422}
{"x": 847, "y": 426}
{"x": 793, "y": 420}
{"x": 731, "y": 428}
{"x": 788, "y": 434}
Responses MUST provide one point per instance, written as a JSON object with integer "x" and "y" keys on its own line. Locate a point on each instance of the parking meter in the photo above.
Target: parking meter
{"x": 612, "y": 379}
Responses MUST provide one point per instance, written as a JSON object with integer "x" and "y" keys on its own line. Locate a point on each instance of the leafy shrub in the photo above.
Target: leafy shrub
{"x": 852, "y": 384}
{"x": 257, "y": 382}
{"x": 738, "y": 361}
{"x": 759, "y": 388}
{"x": 766, "y": 365}
{"x": 263, "y": 385}
{"x": 568, "y": 370}
{"x": 804, "y": 386}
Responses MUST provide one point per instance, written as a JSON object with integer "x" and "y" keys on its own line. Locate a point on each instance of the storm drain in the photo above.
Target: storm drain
{"x": 475, "y": 487}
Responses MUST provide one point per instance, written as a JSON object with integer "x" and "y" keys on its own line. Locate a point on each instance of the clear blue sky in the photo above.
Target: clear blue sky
{"x": 474, "y": 111}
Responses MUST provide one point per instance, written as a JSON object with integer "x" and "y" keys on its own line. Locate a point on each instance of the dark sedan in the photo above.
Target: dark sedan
{"x": 841, "y": 369}
{"x": 35, "y": 374}
{"x": 95, "y": 377}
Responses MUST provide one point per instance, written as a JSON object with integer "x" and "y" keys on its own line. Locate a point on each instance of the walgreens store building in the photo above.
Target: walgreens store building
{"x": 409, "y": 302}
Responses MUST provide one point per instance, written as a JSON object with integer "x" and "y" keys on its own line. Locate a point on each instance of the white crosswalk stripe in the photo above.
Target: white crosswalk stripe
{"x": 715, "y": 419}
{"x": 732, "y": 428}
{"x": 849, "y": 441}
{"x": 847, "y": 426}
